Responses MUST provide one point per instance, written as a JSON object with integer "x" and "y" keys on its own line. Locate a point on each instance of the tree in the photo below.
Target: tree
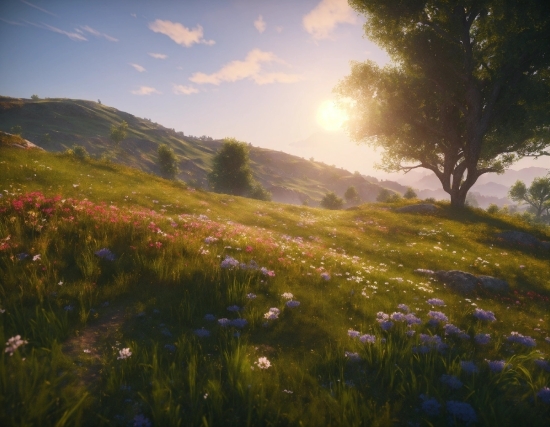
{"x": 35, "y": 97}
{"x": 259, "y": 193}
{"x": 537, "y": 195}
{"x": 387, "y": 196}
{"x": 351, "y": 195}
{"x": 118, "y": 133}
{"x": 332, "y": 201}
{"x": 410, "y": 194}
{"x": 167, "y": 161}
{"x": 231, "y": 172}
{"x": 468, "y": 91}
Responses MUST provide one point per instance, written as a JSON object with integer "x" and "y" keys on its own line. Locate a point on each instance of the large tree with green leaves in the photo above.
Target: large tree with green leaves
{"x": 467, "y": 91}
{"x": 231, "y": 172}
{"x": 537, "y": 196}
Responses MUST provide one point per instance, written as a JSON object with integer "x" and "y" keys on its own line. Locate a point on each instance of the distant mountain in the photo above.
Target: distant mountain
{"x": 57, "y": 124}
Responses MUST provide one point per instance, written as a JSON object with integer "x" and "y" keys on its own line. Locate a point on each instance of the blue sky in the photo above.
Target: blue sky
{"x": 256, "y": 70}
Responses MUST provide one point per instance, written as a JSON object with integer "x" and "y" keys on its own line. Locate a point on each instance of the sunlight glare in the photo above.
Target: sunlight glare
{"x": 330, "y": 117}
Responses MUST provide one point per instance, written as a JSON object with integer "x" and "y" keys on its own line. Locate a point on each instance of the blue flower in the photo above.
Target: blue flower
{"x": 462, "y": 411}
{"x": 469, "y": 367}
{"x": 437, "y": 316}
{"x": 451, "y": 381}
{"x": 496, "y": 366}
{"x": 239, "y": 323}
{"x": 544, "y": 395}
{"x": 436, "y": 301}
{"x": 201, "y": 333}
{"x": 482, "y": 339}
{"x": 521, "y": 339}
{"x": 430, "y": 406}
{"x": 105, "y": 254}
{"x": 484, "y": 315}
{"x": 367, "y": 339}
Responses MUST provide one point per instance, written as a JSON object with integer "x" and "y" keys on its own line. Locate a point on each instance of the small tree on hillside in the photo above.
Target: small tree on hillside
{"x": 118, "y": 133}
{"x": 231, "y": 172}
{"x": 35, "y": 97}
{"x": 167, "y": 161}
{"x": 537, "y": 195}
{"x": 259, "y": 193}
{"x": 387, "y": 196}
{"x": 352, "y": 196}
{"x": 410, "y": 194}
{"x": 332, "y": 201}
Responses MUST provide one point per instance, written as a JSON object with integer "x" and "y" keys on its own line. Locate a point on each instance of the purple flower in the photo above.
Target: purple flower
{"x": 224, "y": 322}
{"x": 461, "y": 411}
{"x": 421, "y": 349}
{"x": 482, "y": 339}
{"x": 521, "y": 339}
{"x": 381, "y": 316}
{"x": 469, "y": 367}
{"x": 292, "y": 303}
{"x": 543, "y": 364}
{"x": 233, "y": 308}
{"x": 544, "y": 395}
{"x": 451, "y": 381}
{"x": 22, "y": 256}
{"x": 385, "y": 325}
{"x": 496, "y": 366}
{"x": 412, "y": 319}
{"x": 229, "y": 262}
{"x": 436, "y": 301}
{"x": 353, "y": 334}
{"x": 403, "y": 307}
{"x": 209, "y": 317}
{"x": 371, "y": 339}
{"x": 239, "y": 323}
{"x": 398, "y": 317}
{"x": 353, "y": 357}
{"x": 488, "y": 316}
{"x": 141, "y": 421}
{"x": 438, "y": 316}
{"x": 105, "y": 254}
{"x": 451, "y": 329}
{"x": 410, "y": 333}
{"x": 267, "y": 272}
{"x": 251, "y": 296}
{"x": 430, "y": 405}
{"x": 325, "y": 276}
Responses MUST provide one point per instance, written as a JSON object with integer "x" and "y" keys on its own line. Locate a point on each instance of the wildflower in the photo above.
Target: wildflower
{"x": 461, "y": 411}
{"x": 224, "y": 322}
{"x": 544, "y": 395}
{"x": 412, "y": 319}
{"x": 451, "y": 329}
{"x": 469, "y": 367}
{"x": 496, "y": 366}
{"x": 437, "y": 316}
{"x": 325, "y": 276}
{"x": 410, "y": 333}
{"x": 292, "y": 303}
{"x": 272, "y": 314}
{"x": 430, "y": 405}
{"x": 209, "y": 317}
{"x": 201, "y": 333}
{"x": 386, "y": 325}
{"x": 87, "y": 351}
{"x": 371, "y": 339}
{"x": 482, "y": 339}
{"x": 239, "y": 323}
{"x": 353, "y": 357}
{"x": 125, "y": 353}
{"x": 451, "y": 381}
{"x": 543, "y": 364}
{"x": 233, "y": 308}
{"x": 403, "y": 307}
{"x": 263, "y": 363}
{"x": 60, "y": 283}
{"x": 380, "y": 316}
{"x": 287, "y": 295}
{"x": 13, "y": 344}
{"x": 521, "y": 339}
{"x": 36, "y": 258}
{"x": 251, "y": 296}
{"x": 141, "y": 421}
{"x": 267, "y": 272}
{"x": 210, "y": 239}
{"x": 484, "y": 315}
{"x": 398, "y": 317}
{"x": 22, "y": 256}
{"x": 436, "y": 301}
{"x": 229, "y": 262}
{"x": 105, "y": 254}
{"x": 353, "y": 334}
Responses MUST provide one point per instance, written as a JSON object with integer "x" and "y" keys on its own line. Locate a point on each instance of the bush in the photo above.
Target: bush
{"x": 35, "y": 97}
{"x": 259, "y": 193}
{"x": 429, "y": 200}
{"x": 493, "y": 209}
{"x": 387, "y": 196}
{"x": 231, "y": 172}
{"x": 410, "y": 194}
{"x": 332, "y": 201}
{"x": 167, "y": 161}
{"x": 79, "y": 152}
{"x": 352, "y": 196}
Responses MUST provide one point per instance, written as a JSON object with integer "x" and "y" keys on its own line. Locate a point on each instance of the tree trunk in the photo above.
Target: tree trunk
{"x": 458, "y": 198}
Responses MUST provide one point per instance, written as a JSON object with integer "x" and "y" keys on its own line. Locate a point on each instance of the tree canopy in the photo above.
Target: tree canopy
{"x": 537, "y": 196}
{"x": 231, "y": 172}
{"x": 467, "y": 91}
{"x": 118, "y": 133}
{"x": 332, "y": 201}
{"x": 167, "y": 161}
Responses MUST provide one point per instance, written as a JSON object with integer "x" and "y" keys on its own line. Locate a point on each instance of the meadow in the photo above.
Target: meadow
{"x": 129, "y": 300}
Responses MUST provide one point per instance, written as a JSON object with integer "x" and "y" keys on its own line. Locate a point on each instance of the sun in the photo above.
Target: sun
{"x": 330, "y": 117}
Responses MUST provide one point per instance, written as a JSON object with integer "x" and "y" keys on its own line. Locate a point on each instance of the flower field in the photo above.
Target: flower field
{"x": 128, "y": 300}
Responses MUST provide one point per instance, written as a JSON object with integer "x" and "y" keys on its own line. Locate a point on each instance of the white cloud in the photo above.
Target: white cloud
{"x": 11, "y": 22}
{"x": 185, "y": 90}
{"x": 158, "y": 55}
{"x": 39, "y": 8}
{"x": 250, "y": 68}
{"x": 133, "y": 15}
{"x": 96, "y": 33}
{"x": 72, "y": 36}
{"x": 138, "y": 67}
{"x": 322, "y": 20}
{"x": 260, "y": 24}
{"x": 145, "y": 90}
{"x": 179, "y": 33}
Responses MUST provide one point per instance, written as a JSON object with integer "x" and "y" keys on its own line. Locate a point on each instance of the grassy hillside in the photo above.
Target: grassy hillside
{"x": 67, "y": 122}
{"x": 139, "y": 301}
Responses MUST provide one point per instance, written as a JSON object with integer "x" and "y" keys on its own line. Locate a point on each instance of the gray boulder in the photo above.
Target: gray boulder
{"x": 466, "y": 283}
{"x": 521, "y": 238}
{"x": 421, "y": 208}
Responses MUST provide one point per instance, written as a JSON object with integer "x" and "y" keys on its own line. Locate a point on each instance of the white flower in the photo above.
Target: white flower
{"x": 36, "y": 257}
{"x": 287, "y": 295}
{"x": 13, "y": 344}
{"x": 263, "y": 363}
{"x": 125, "y": 353}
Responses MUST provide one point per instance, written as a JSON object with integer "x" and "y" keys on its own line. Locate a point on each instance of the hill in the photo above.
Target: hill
{"x": 59, "y": 124}
{"x": 127, "y": 299}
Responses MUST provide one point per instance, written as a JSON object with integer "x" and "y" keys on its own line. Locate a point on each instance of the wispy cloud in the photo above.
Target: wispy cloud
{"x": 133, "y": 15}
{"x": 158, "y": 55}
{"x": 179, "y": 33}
{"x": 73, "y": 36}
{"x": 250, "y": 68}
{"x": 97, "y": 33}
{"x": 324, "y": 18}
{"x": 12, "y": 22}
{"x": 138, "y": 67}
{"x": 145, "y": 90}
{"x": 39, "y": 8}
{"x": 260, "y": 24}
{"x": 184, "y": 90}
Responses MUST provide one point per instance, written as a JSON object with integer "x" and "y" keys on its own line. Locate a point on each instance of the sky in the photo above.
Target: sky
{"x": 260, "y": 71}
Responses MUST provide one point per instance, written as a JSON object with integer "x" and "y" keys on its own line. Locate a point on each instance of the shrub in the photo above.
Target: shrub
{"x": 387, "y": 196}
{"x": 493, "y": 209}
{"x": 332, "y": 201}
{"x": 167, "y": 161}
{"x": 410, "y": 194}
{"x": 259, "y": 193}
{"x": 79, "y": 152}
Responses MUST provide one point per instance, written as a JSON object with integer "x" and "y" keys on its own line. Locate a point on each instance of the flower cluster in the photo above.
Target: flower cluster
{"x": 521, "y": 339}
{"x": 436, "y": 301}
{"x": 496, "y": 366}
{"x": 272, "y": 314}
{"x": 263, "y": 363}
{"x": 483, "y": 315}
{"x": 105, "y": 253}
{"x": 461, "y": 411}
{"x": 451, "y": 381}
{"x": 544, "y": 395}
{"x": 482, "y": 339}
{"x": 353, "y": 357}
{"x": 436, "y": 317}
{"x": 125, "y": 353}
{"x": 430, "y": 405}
{"x": 229, "y": 262}
{"x": 287, "y": 295}
{"x": 292, "y": 304}
{"x": 13, "y": 344}
{"x": 201, "y": 333}
{"x": 451, "y": 329}
{"x": 469, "y": 367}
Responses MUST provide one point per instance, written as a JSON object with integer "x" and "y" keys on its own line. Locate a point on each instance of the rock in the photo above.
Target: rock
{"x": 521, "y": 238}
{"x": 466, "y": 283}
{"x": 421, "y": 208}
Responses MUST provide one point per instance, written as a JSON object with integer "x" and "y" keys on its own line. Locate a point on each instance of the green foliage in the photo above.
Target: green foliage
{"x": 259, "y": 193}
{"x": 471, "y": 201}
{"x": 231, "y": 172}
{"x": 352, "y": 196}
{"x": 468, "y": 91}
{"x": 410, "y": 194}
{"x": 17, "y": 130}
{"x": 35, "y": 97}
{"x": 387, "y": 196}
{"x": 80, "y": 152}
{"x": 118, "y": 133}
{"x": 332, "y": 201}
{"x": 167, "y": 161}
{"x": 10, "y": 139}
{"x": 537, "y": 196}
{"x": 493, "y": 209}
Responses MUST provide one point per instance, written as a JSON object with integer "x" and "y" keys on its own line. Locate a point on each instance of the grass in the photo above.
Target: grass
{"x": 78, "y": 309}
